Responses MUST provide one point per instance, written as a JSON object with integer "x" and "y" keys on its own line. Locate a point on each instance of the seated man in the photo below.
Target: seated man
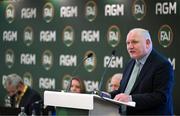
{"x": 115, "y": 81}
{"x": 22, "y": 95}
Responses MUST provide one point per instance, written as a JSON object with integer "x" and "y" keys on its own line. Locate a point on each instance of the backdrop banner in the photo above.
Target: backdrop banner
{"x": 45, "y": 41}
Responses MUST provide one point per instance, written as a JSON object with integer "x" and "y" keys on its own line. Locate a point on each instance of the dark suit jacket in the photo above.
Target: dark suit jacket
{"x": 152, "y": 90}
{"x": 28, "y": 101}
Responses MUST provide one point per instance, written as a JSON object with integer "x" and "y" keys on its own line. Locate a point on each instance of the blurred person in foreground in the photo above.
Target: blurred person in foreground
{"x": 153, "y": 86}
{"x": 22, "y": 95}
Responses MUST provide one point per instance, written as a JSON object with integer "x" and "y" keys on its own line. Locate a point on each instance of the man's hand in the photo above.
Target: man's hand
{"x": 123, "y": 97}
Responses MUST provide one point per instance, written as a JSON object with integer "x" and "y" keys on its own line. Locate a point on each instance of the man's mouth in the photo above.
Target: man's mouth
{"x": 132, "y": 51}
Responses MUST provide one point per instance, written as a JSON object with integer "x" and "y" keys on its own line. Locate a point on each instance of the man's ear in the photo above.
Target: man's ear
{"x": 148, "y": 43}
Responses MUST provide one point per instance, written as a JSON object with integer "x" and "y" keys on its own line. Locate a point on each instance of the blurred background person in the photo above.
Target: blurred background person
{"x": 22, "y": 95}
{"x": 77, "y": 85}
{"x": 115, "y": 81}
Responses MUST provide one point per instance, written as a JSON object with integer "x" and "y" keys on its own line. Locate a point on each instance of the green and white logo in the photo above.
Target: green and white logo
{"x": 28, "y": 36}
{"x": 48, "y": 12}
{"x": 90, "y": 63}
{"x": 165, "y": 36}
{"x": 139, "y": 9}
{"x": 27, "y": 77}
{"x": 113, "y": 36}
{"x": 91, "y": 11}
{"x": 47, "y": 59}
{"x": 10, "y": 13}
{"x": 66, "y": 82}
{"x": 9, "y": 58}
{"x": 108, "y": 83}
{"x": 68, "y": 36}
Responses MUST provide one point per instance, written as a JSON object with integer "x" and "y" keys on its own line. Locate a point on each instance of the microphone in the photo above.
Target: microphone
{"x": 78, "y": 66}
{"x": 102, "y": 77}
{"x": 38, "y": 102}
{"x": 88, "y": 56}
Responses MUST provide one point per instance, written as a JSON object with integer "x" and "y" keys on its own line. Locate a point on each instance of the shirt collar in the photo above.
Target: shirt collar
{"x": 144, "y": 58}
{"x": 19, "y": 97}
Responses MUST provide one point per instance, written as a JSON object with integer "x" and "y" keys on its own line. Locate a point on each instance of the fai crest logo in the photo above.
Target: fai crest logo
{"x": 139, "y": 9}
{"x": 47, "y": 59}
{"x": 113, "y": 36}
{"x": 90, "y": 11}
{"x": 28, "y": 36}
{"x": 48, "y": 12}
{"x": 9, "y": 58}
{"x": 10, "y": 13}
{"x": 27, "y": 78}
{"x": 90, "y": 63}
{"x": 108, "y": 85}
{"x": 165, "y": 36}
{"x": 68, "y": 36}
{"x": 66, "y": 82}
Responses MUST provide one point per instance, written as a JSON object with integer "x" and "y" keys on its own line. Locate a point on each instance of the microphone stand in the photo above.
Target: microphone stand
{"x": 88, "y": 56}
{"x": 75, "y": 70}
{"x": 98, "y": 92}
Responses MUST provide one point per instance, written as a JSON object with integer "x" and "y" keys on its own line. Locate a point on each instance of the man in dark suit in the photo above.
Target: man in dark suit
{"x": 147, "y": 79}
{"x": 22, "y": 95}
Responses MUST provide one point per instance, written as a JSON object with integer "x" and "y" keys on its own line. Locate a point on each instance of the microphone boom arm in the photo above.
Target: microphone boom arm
{"x": 75, "y": 70}
{"x": 88, "y": 56}
{"x": 102, "y": 77}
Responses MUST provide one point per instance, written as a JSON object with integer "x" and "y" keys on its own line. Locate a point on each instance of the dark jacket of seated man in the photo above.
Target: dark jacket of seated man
{"x": 22, "y": 95}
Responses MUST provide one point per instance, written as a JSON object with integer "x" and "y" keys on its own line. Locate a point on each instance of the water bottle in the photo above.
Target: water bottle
{"x": 7, "y": 101}
{"x": 22, "y": 113}
{"x": 33, "y": 113}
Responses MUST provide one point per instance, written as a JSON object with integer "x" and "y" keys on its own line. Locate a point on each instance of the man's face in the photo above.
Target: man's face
{"x": 114, "y": 85}
{"x": 137, "y": 45}
{"x": 12, "y": 90}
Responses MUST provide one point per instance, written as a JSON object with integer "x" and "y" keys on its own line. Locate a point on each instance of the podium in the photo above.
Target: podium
{"x": 82, "y": 104}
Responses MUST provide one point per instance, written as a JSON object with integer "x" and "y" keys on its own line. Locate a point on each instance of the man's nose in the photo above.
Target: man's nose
{"x": 130, "y": 45}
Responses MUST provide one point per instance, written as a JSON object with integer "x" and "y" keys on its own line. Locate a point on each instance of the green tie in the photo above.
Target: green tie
{"x": 132, "y": 78}
{"x": 131, "y": 82}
